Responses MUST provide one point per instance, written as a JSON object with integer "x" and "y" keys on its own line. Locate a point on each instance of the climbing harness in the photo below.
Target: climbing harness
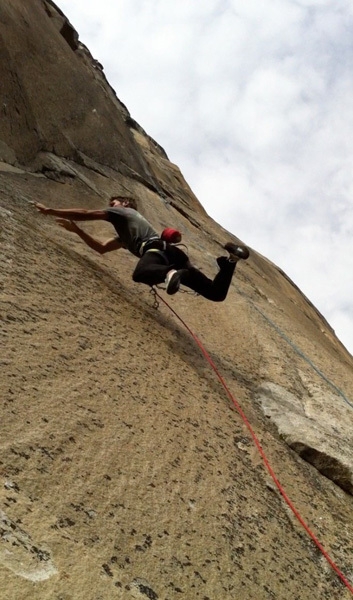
{"x": 153, "y": 240}
{"x": 256, "y": 441}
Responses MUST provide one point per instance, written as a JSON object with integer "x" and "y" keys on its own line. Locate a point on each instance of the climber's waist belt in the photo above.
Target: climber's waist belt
{"x": 152, "y": 244}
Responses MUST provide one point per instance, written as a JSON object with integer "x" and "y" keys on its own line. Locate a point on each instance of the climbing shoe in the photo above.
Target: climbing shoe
{"x": 236, "y": 252}
{"x": 173, "y": 281}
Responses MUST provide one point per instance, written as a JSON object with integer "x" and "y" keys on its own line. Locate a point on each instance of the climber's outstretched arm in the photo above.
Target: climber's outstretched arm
{"x": 73, "y": 214}
{"x": 100, "y": 247}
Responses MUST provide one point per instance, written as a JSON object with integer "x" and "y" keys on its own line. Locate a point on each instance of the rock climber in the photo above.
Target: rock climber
{"x": 160, "y": 259}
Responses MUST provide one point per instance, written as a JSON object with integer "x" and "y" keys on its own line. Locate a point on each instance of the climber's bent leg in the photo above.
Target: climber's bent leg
{"x": 215, "y": 290}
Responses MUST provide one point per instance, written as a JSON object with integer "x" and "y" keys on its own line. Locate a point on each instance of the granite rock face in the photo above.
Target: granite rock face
{"x": 125, "y": 470}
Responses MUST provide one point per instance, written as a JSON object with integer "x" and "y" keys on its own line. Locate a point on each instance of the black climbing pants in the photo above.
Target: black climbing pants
{"x": 152, "y": 269}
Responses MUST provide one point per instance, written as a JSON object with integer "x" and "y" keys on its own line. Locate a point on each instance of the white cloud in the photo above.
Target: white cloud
{"x": 253, "y": 101}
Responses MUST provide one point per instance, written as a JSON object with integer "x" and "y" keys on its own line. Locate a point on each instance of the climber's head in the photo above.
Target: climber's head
{"x": 123, "y": 201}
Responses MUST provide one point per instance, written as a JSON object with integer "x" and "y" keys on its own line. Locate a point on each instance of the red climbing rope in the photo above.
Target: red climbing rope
{"x": 260, "y": 449}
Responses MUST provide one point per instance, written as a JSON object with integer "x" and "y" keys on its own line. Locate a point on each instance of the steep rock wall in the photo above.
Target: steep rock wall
{"x": 125, "y": 470}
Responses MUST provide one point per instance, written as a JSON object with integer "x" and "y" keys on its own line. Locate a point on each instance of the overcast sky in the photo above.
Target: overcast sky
{"x": 253, "y": 100}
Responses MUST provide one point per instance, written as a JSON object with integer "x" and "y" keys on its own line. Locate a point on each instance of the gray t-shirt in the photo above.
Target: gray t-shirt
{"x": 132, "y": 228}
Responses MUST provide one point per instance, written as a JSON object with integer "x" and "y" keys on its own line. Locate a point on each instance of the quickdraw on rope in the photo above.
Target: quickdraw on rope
{"x": 155, "y": 304}
{"x": 259, "y": 447}
{"x": 154, "y": 293}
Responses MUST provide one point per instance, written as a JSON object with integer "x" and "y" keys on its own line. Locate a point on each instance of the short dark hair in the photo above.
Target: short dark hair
{"x": 131, "y": 201}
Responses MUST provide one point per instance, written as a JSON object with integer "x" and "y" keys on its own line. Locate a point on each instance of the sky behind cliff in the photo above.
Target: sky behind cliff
{"x": 254, "y": 102}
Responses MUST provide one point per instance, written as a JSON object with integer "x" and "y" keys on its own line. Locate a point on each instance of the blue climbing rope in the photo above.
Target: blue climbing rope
{"x": 297, "y": 350}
